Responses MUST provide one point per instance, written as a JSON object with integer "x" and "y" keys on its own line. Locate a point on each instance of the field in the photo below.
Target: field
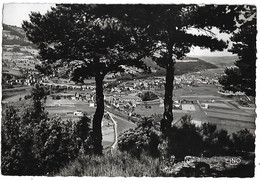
{"x": 13, "y": 94}
{"x": 122, "y": 124}
{"x": 12, "y": 71}
{"x": 66, "y": 107}
{"x": 203, "y": 90}
{"x": 221, "y": 110}
{"x": 155, "y": 109}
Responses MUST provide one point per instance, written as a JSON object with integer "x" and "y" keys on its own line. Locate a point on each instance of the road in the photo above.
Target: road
{"x": 115, "y": 131}
{"x": 120, "y": 125}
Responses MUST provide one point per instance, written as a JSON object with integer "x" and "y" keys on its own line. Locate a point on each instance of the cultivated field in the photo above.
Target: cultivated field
{"x": 221, "y": 110}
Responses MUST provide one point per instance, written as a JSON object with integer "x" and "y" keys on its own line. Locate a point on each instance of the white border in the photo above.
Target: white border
{"x": 252, "y": 2}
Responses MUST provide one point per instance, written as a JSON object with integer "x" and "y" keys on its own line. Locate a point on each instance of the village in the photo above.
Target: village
{"x": 71, "y": 101}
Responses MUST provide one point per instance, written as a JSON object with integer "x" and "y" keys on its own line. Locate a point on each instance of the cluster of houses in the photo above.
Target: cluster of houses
{"x": 71, "y": 96}
{"x": 29, "y": 81}
{"x": 190, "y": 79}
{"x": 7, "y": 34}
{"x": 122, "y": 100}
{"x": 136, "y": 86}
{"x": 24, "y": 60}
{"x": 193, "y": 79}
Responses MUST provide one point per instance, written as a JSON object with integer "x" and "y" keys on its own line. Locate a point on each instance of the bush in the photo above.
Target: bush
{"x": 148, "y": 96}
{"x": 184, "y": 140}
{"x": 31, "y": 148}
{"x": 218, "y": 142}
{"x": 83, "y": 134}
{"x": 36, "y": 148}
{"x": 243, "y": 140}
{"x": 144, "y": 138}
{"x": 215, "y": 142}
{"x": 27, "y": 97}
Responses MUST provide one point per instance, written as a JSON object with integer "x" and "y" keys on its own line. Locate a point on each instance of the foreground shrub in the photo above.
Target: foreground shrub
{"x": 184, "y": 140}
{"x": 37, "y": 145}
{"x": 144, "y": 138}
{"x": 33, "y": 144}
{"x": 187, "y": 139}
{"x": 215, "y": 142}
{"x": 243, "y": 140}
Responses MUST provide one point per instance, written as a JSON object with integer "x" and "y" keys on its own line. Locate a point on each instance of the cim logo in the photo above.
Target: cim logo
{"x": 233, "y": 160}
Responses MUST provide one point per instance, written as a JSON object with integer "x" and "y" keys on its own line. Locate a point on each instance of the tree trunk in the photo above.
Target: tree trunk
{"x": 168, "y": 115}
{"x": 97, "y": 133}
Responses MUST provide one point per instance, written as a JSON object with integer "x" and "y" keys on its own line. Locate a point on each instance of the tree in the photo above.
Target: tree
{"x": 242, "y": 77}
{"x": 168, "y": 27}
{"x": 148, "y": 96}
{"x": 79, "y": 37}
{"x": 243, "y": 140}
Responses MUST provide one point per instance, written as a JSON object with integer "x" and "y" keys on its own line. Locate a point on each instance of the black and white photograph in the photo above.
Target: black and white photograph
{"x": 129, "y": 89}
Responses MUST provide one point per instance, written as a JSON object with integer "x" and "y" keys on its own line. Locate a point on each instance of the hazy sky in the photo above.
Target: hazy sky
{"x": 15, "y": 13}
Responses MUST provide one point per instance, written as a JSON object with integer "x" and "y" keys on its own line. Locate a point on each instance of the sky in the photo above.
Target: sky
{"x": 16, "y": 13}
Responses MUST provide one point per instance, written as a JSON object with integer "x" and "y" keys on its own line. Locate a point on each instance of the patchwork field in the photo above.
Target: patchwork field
{"x": 222, "y": 111}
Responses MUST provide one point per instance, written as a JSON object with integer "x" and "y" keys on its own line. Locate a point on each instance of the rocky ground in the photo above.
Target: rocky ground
{"x": 219, "y": 166}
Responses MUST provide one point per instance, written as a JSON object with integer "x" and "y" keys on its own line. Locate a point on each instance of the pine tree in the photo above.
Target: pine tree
{"x": 88, "y": 43}
{"x": 242, "y": 77}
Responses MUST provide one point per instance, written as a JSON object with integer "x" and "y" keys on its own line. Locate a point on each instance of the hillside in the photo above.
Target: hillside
{"x": 220, "y": 62}
{"x": 13, "y": 35}
{"x": 19, "y": 54}
{"x": 192, "y": 65}
{"x": 188, "y": 64}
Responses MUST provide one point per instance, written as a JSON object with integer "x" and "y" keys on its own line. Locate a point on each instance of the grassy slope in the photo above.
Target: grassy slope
{"x": 111, "y": 165}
